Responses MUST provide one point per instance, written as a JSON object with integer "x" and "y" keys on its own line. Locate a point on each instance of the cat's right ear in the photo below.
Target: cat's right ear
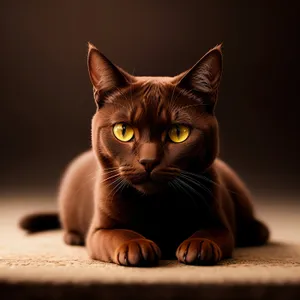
{"x": 104, "y": 75}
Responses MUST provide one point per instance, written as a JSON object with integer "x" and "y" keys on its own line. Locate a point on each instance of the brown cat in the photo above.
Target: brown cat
{"x": 152, "y": 186}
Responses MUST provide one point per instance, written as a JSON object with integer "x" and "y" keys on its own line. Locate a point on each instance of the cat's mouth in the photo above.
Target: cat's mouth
{"x": 160, "y": 176}
{"x": 148, "y": 186}
{"x": 141, "y": 178}
{"x": 154, "y": 181}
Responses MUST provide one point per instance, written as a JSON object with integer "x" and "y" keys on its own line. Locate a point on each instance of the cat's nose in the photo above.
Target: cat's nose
{"x": 149, "y": 164}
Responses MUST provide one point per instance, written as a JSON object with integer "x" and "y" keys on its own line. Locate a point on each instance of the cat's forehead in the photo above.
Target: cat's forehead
{"x": 148, "y": 93}
{"x": 144, "y": 102}
{"x": 152, "y": 101}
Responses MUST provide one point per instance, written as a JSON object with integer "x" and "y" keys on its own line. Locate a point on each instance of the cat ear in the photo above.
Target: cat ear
{"x": 104, "y": 75}
{"x": 205, "y": 75}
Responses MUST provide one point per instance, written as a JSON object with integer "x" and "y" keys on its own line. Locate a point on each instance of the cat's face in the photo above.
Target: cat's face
{"x": 148, "y": 131}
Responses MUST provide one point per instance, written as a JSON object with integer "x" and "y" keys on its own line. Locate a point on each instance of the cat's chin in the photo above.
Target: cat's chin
{"x": 150, "y": 187}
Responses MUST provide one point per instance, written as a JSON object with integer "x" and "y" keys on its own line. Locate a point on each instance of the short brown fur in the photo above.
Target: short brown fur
{"x": 132, "y": 203}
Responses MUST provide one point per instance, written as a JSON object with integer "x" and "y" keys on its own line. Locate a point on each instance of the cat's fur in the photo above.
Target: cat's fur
{"x": 135, "y": 202}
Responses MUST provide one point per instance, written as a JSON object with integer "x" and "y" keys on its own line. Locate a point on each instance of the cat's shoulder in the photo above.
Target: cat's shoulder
{"x": 225, "y": 172}
{"x": 85, "y": 161}
{"x": 84, "y": 157}
{"x": 222, "y": 167}
{"x": 220, "y": 164}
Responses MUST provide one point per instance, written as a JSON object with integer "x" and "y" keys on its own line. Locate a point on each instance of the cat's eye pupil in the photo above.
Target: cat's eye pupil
{"x": 123, "y": 129}
{"x": 178, "y": 131}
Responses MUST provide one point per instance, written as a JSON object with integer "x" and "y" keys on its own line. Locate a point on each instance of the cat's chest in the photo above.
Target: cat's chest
{"x": 165, "y": 215}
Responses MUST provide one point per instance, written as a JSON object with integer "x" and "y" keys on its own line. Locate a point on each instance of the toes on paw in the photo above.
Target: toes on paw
{"x": 138, "y": 253}
{"x": 199, "y": 252}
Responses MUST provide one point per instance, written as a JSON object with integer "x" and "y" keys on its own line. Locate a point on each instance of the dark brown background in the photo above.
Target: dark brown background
{"x": 46, "y": 96}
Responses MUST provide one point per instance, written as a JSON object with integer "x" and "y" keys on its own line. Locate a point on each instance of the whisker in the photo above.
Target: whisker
{"x": 198, "y": 183}
{"x": 179, "y": 182}
{"x": 109, "y": 172}
{"x": 172, "y": 185}
{"x": 202, "y": 187}
{"x": 113, "y": 168}
{"x": 205, "y": 178}
{"x": 116, "y": 182}
{"x": 125, "y": 184}
{"x": 196, "y": 193}
{"x": 110, "y": 177}
{"x": 118, "y": 186}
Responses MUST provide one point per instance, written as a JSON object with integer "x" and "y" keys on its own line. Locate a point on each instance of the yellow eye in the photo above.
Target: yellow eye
{"x": 179, "y": 133}
{"x": 123, "y": 132}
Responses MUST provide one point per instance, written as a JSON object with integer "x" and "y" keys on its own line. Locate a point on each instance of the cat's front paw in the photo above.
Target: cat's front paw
{"x": 138, "y": 253}
{"x": 198, "y": 251}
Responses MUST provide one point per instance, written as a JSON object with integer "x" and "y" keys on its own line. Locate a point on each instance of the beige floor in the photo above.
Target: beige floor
{"x": 43, "y": 258}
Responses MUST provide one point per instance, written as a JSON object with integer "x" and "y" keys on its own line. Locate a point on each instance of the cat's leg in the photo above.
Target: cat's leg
{"x": 253, "y": 233}
{"x": 123, "y": 247}
{"x": 206, "y": 247}
{"x": 75, "y": 199}
{"x": 249, "y": 230}
{"x": 71, "y": 235}
{"x": 73, "y": 238}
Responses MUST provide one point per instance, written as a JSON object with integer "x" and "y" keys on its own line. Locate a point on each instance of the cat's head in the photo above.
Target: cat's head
{"x": 148, "y": 131}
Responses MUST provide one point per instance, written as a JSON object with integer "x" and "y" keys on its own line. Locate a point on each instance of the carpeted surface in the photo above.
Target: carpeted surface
{"x": 40, "y": 266}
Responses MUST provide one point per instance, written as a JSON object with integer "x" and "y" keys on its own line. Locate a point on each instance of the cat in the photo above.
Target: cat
{"x": 153, "y": 186}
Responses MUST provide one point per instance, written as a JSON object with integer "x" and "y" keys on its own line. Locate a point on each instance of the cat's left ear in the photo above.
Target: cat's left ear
{"x": 205, "y": 76}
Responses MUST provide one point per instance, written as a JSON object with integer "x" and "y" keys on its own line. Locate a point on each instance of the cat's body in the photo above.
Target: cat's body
{"x": 152, "y": 186}
{"x": 161, "y": 218}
